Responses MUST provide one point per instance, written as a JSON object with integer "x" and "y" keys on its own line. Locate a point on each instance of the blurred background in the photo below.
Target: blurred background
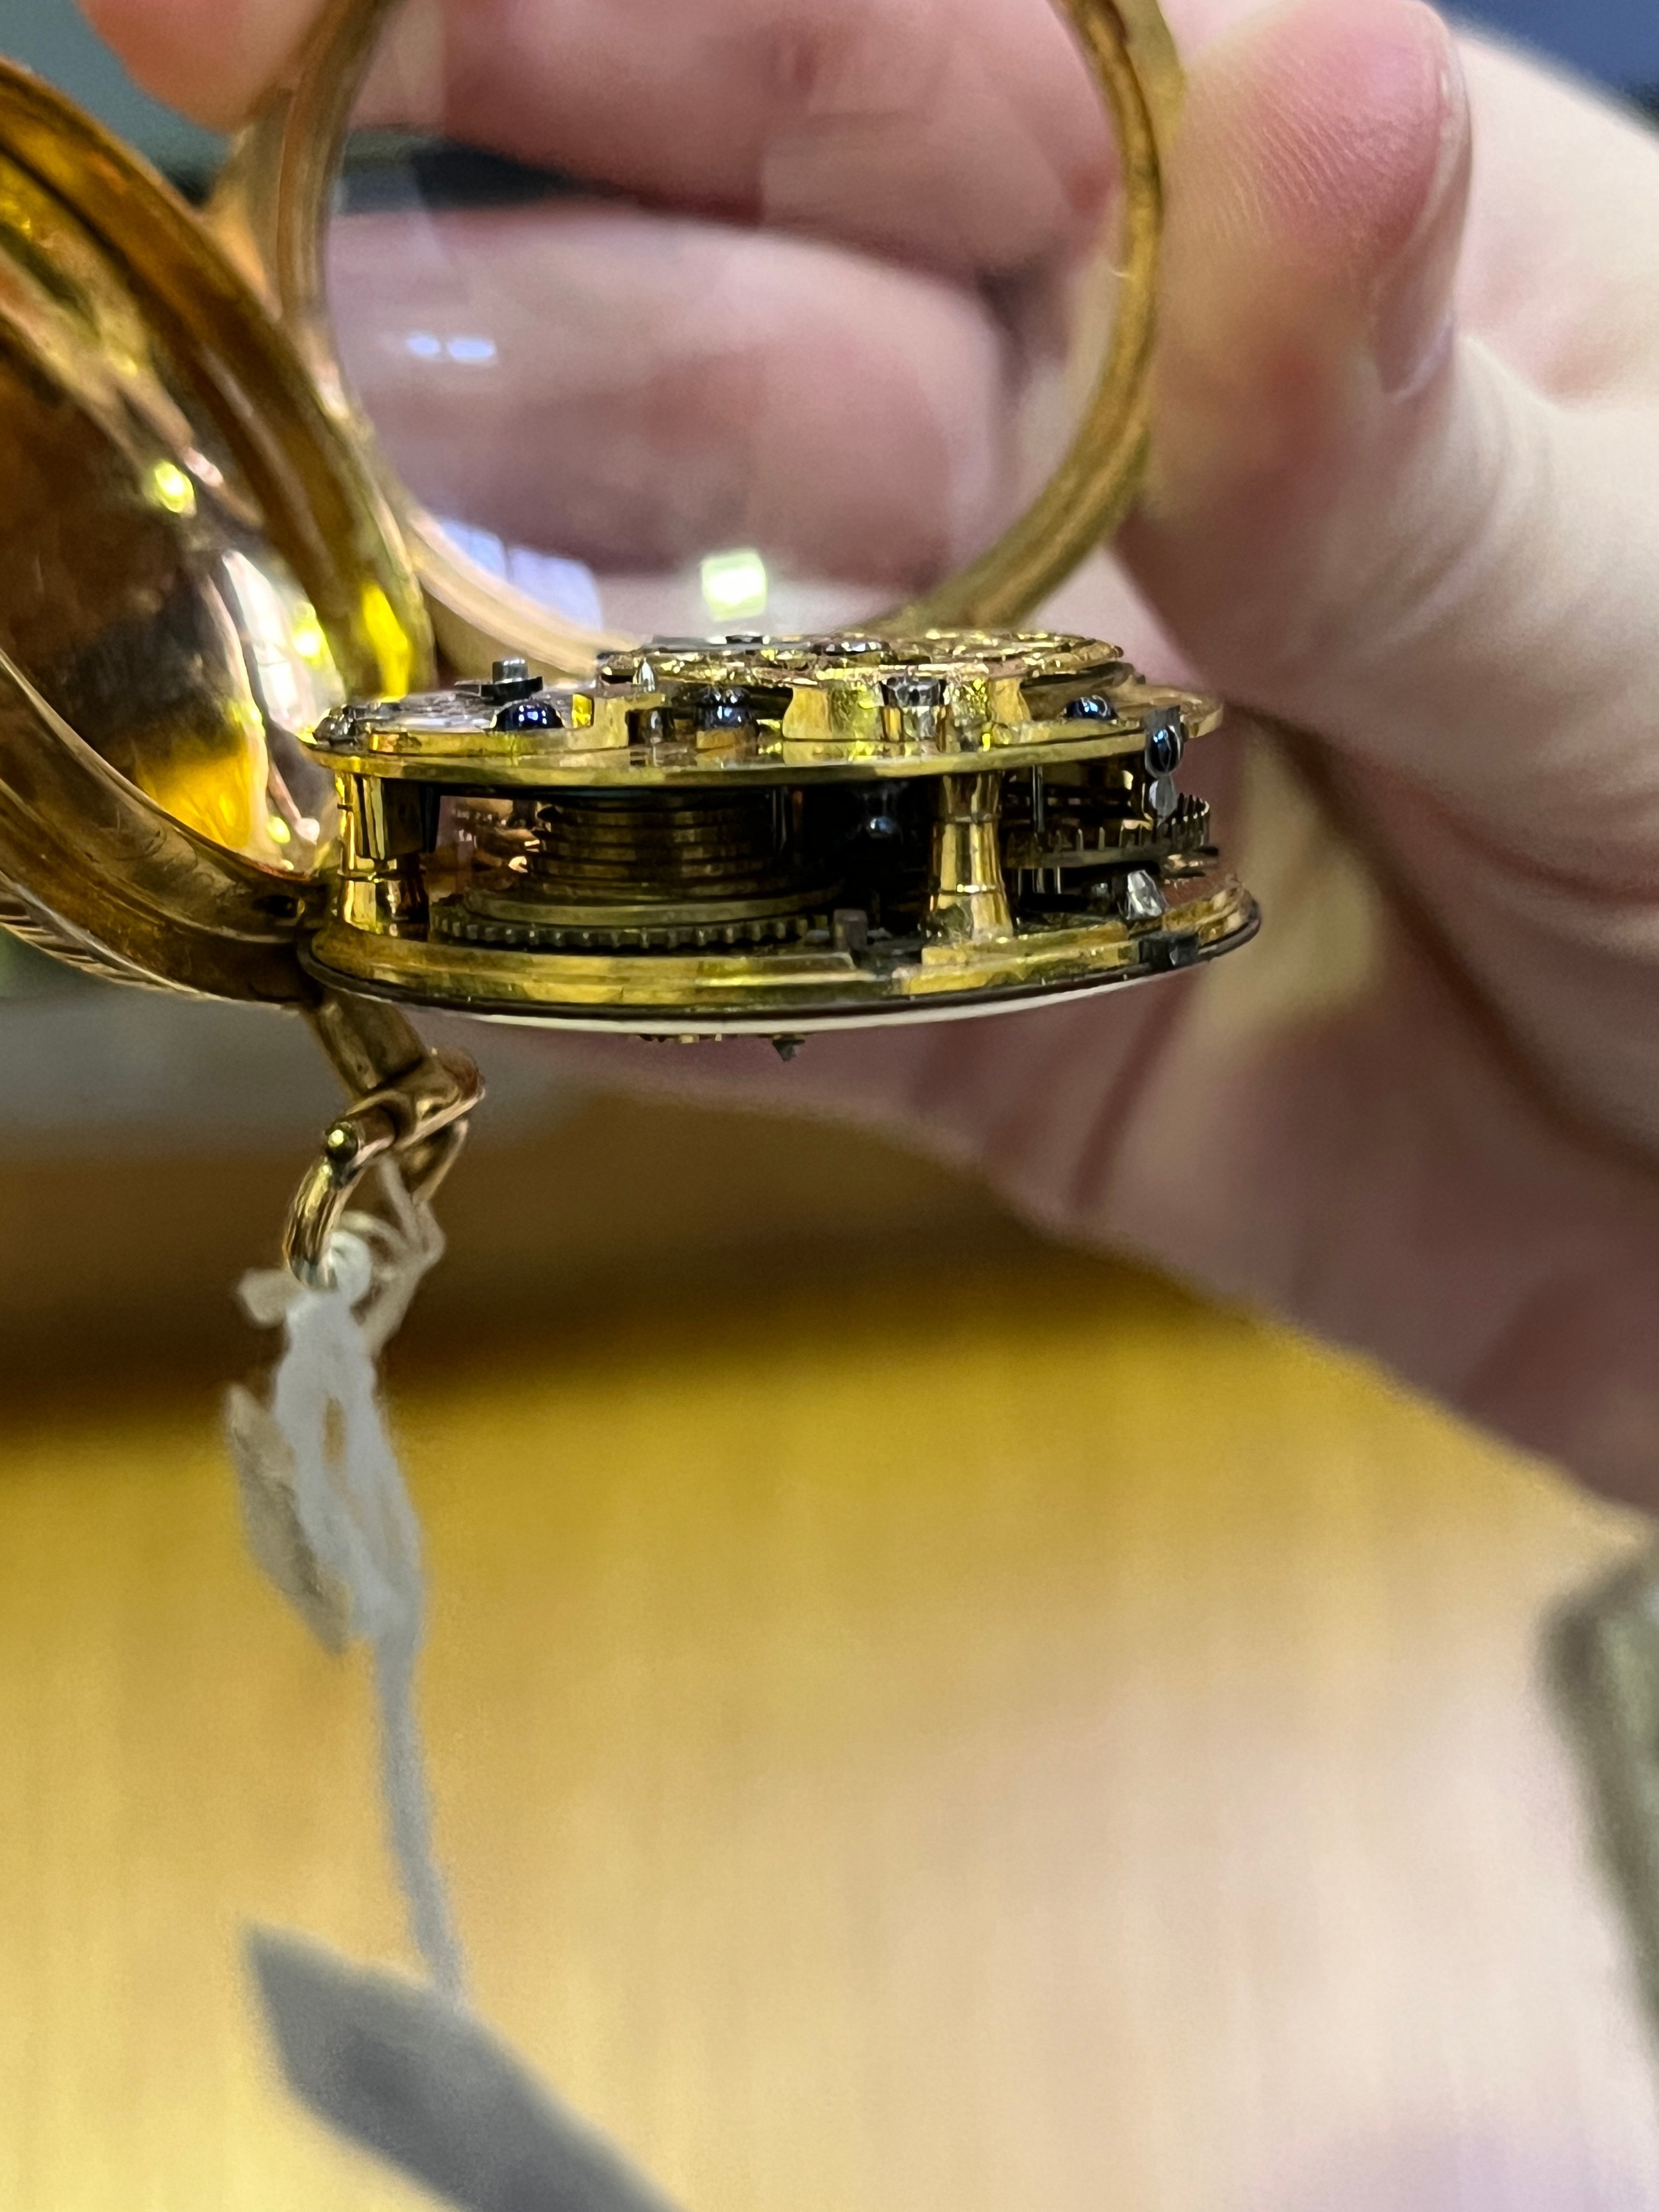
{"x": 920, "y": 1719}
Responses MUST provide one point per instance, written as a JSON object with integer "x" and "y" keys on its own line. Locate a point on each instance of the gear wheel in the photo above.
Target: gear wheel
{"x": 515, "y": 925}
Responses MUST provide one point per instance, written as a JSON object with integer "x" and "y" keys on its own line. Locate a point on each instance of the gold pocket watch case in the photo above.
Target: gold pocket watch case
{"x": 228, "y": 764}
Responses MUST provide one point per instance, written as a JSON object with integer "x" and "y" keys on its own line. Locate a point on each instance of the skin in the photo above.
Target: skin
{"x": 1403, "y": 509}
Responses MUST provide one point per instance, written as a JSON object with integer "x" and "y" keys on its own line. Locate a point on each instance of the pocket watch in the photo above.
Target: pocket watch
{"x": 266, "y": 733}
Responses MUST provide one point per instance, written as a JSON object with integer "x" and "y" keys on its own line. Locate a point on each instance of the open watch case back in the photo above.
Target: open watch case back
{"x": 229, "y": 765}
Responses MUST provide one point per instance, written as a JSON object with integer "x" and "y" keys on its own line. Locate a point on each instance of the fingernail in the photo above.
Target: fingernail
{"x": 1413, "y": 321}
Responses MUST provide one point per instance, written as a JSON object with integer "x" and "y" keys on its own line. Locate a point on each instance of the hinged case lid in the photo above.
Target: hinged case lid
{"x": 195, "y": 564}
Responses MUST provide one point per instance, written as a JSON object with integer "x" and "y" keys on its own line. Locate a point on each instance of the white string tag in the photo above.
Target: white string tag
{"x": 406, "y": 2072}
{"x": 328, "y": 1515}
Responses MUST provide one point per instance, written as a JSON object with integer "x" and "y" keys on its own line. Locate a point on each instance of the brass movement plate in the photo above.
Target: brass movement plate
{"x": 800, "y": 993}
{"x": 847, "y": 706}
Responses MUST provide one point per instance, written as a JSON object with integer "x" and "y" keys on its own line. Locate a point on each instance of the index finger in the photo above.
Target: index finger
{"x": 961, "y": 135}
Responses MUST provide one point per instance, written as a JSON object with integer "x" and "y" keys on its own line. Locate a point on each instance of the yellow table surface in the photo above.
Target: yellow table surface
{"x": 955, "y": 1736}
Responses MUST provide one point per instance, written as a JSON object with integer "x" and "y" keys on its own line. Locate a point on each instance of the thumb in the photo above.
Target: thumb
{"x": 1358, "y": 520}
{"x": 210, "y": 58}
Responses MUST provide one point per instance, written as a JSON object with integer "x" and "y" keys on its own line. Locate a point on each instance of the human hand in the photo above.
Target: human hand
{"x": 1421, "y": 1116}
